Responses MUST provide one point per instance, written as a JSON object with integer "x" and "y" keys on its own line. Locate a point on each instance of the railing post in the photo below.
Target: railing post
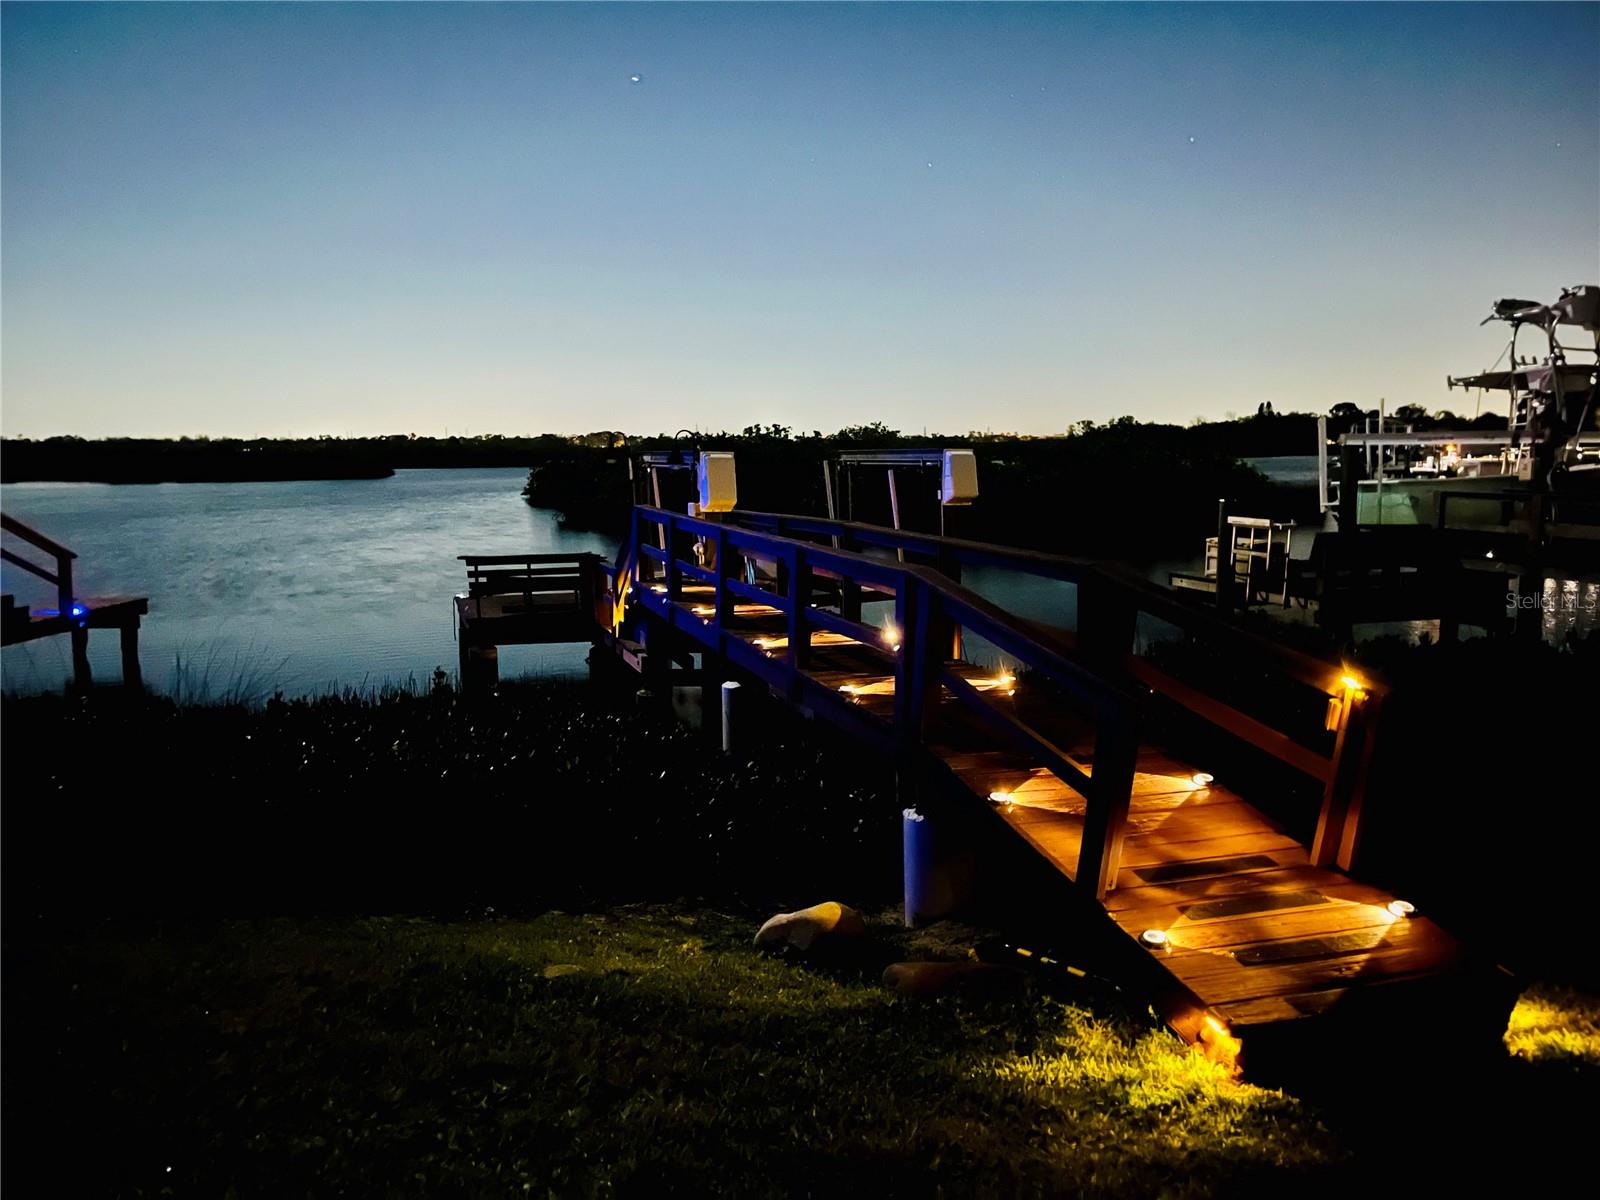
{"x": 720, "y": 598}
{"x": 674, "y": 576}
{"x": 1224, "y": 559}
{"x": 1339, "y": 822}
{"x": 916, "y": 665}
{"x": 799, "y": 632}
{"x": 64, "y": 599}
{"x": 1116, "y": 748}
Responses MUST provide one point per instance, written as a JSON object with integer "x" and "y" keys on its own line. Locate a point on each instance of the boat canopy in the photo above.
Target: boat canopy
{"x": 1575, "y": 306}
{"x": 1575, "y": 377}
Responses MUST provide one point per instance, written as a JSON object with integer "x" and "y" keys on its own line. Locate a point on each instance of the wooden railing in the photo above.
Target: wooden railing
{"x": 1111, "y": 600}
{"x": 527, "y": 574}
{"x": 927, "y": 606}
{"x": 61, "y": 576}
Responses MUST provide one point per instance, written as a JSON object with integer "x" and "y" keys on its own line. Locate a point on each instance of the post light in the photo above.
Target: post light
{"x": 891, "y": 635}
{"x": 1335, "y": 712}
{"x": 1402, "y": 908}
{"x": 1155, "y": 939}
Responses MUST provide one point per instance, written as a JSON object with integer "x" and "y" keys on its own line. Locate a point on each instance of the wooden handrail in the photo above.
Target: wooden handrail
{"x": 31, "y": 568}
{"x": 29, "y": 534}
{"x": 927, "y": 605}
{"x": 62, "y": 577}
{"x": 477, "y": 560}
{"x": 1140, "y": 592}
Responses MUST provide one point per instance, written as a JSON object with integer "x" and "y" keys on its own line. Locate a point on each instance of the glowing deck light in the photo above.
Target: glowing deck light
{"x": 659, "y": 589}
{"x": 1351, "y": 684}
{"x": 704, "y": 610}
{"x": 78, "y": 610}
{"x": 891, "y": 635}
{"x": 1155, "y": 939}
{"x": 1200, "y": 779}
{"x": 1000, "y": 796}
{"x": 1402, "y": 908}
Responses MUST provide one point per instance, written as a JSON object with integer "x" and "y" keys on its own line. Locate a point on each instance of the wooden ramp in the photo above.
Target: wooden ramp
{"x": 1230, "y": 923}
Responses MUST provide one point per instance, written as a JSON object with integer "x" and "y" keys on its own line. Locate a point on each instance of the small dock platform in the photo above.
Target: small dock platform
{"x": 523, "y": 599}
{"x": 71, "y": 614}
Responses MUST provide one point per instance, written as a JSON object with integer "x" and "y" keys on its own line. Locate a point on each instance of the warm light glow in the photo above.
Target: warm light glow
{"x": 1200, "y": 779}
{"x": 1000, "y": 797}
{"x": 1351, "y": 683}
{"x": 1334, "y": 715}
{"x": 659, "y": 589}
{"x": 891, "y": 635}
{"x": 1402, "y": 908}
{"x": 1218, "y": 1044}
{"x": 704, "y": 610}
{"x": 1156, "y": 939}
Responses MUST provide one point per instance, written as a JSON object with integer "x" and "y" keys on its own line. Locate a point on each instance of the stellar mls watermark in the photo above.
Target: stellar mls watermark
{"x": 1587, "y": 601}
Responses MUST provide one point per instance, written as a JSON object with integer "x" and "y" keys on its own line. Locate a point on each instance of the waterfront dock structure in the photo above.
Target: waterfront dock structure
{"x": 73, "y": 615}
{"x": 1241, "y": 924}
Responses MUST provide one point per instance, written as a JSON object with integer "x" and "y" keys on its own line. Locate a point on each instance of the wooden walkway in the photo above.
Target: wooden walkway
{"x": 1234, "y": 924}
{"x": 1255, "y": 934}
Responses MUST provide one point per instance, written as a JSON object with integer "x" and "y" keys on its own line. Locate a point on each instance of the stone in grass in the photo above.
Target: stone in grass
{"x": 944, "y": 978}
{"x": 808, "y": 928}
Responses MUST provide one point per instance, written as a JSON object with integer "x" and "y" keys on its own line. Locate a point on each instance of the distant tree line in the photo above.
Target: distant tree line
{"x": 1098, "y": 487}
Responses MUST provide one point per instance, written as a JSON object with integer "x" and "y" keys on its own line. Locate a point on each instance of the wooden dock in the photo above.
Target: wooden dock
{"x": 72, "y": 614}
{"x": 1232, "y": 924}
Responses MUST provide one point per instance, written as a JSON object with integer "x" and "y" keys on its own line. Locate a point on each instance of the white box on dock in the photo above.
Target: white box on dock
{"x": 719, "y": 489}
{"x": 960, "y": 483}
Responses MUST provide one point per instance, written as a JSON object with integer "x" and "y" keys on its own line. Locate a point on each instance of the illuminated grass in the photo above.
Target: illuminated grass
{"x": 643, "y": 1051}
{"x": 1555, "y": 1024}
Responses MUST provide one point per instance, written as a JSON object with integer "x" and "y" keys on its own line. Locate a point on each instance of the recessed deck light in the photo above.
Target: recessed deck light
{"x": 1155, "y": 939}
{"x": 1200, "y": 779}
{"x": 1402, "y": 908}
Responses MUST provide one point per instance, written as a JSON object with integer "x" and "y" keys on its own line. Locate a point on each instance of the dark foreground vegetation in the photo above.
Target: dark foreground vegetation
{"x": 195, "y": 980}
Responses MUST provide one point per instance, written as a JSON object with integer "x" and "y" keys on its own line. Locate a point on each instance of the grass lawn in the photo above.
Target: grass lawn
{"x": 636, "y": 1051}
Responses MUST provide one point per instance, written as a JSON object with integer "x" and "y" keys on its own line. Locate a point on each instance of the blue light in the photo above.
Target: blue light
{"x": 79, "y": 610}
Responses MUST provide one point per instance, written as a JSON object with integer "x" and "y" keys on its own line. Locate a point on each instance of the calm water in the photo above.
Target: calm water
{"x": 309, "y": 586}
{"x": 303, "y": 586}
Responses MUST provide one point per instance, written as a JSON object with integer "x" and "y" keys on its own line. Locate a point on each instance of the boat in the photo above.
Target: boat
{"x": 1482, "y": 475}
{"x": 1443, "y": 523}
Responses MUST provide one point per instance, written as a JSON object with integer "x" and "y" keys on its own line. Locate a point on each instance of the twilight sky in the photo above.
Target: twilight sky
{"x": 301, "y": 219}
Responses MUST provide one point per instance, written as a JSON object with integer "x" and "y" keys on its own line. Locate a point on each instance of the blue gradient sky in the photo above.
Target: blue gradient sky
{"x": 330, "y": 219}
